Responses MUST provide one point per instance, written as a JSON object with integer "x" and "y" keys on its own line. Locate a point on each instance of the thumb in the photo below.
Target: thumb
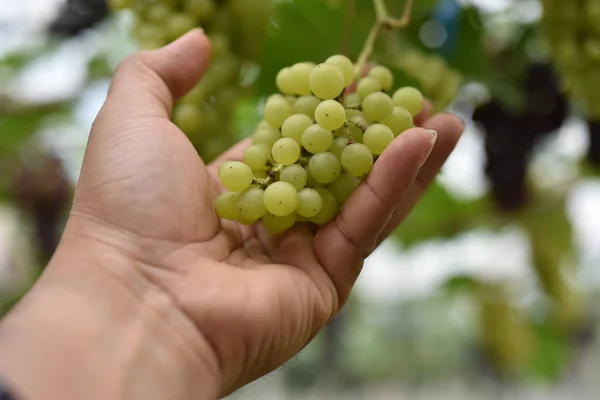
{"x": 148, "y": 83}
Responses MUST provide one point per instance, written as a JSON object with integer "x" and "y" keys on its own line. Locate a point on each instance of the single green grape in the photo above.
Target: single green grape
{"x": 188, "y": 118}
{"x": 345, "y": 66}
{"x": 357, "y": 159}
{"x": 235, "y": 176}
{"x": 151, "y": 44}
{"x": 338, "y": 146}
{"x": 366, "y": 86}
{"x": 265, "y": 135}
{"x": 260, "y": 173}
{"x": 226, "y": 205}
{"x": 342, "y": 131}
{"x": 200, "y": 9}
{"x": 343, "y": 188}
{"x": 383, "y": 75}
{"x": 149, "y": 33}
{"x": 409, "y": 98}
{"x": 351, "y": 113}
{"x": 299, "y": 74}
{"x": 276, "y": 96}
{"x": 120, "y": 4}
{"x": 329, "y": 208}
{"x": 285, "y": 82}
{"x": 222, "y": 72}
{"x": 592, "y": 9}
{"x": 195, "y": 96}
{"x": 286, "y": 151}
{"x": 357, "y": 126}
{"x": 281, "y": 199}
{"x": 324, "y": 167}
{"x": 251, "y": 203}
{"x": 377, "y": 138}
{"x": 138, "y": 7}
{"x": 292, "y": 100}
{"x": 352, "y": 100}
{"x": 377, "y": 106}
{"x": 277, "y": 110}
{"x": 295, "y": 125}
{"x": 316, "y": 139}
{"x": 307, "y": 105}
{"x": 223, "y": 22}
{"x": 226, "y": 96}
{"x": 309, "y": 203}
{"x": 219, "y": 45}
{"x": 310, "y": 181}
{"x": 330, "y": 115}
{"x": 295, "y": 175}
{"x": 326, "y": 81}
{"x": 262, "y": 125}
{"x": 178, "y": 25}
{"x": 399, "y": 121}
{"x": 276, "y": 225}
{"x": 256, "y": 156}
{"x": 158, "y": 12}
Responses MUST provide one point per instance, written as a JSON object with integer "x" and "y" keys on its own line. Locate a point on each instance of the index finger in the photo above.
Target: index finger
{"x": 342, "y": 245}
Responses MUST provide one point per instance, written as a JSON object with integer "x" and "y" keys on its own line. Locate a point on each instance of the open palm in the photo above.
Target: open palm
{"x": 252, "y": 300}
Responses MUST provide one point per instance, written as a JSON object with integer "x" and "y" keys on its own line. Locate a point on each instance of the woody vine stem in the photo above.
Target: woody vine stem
{"x": 383, "y": 21}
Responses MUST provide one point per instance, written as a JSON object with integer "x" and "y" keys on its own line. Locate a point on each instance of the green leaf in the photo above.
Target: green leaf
{"x": 99, "y": 67}
{"x": 17, "y": 125}
{"x": 550, "y": 354}
{"x": 12, "y": 63}
{"x": 439, "y": 215}
{"x": 459, "y": 284}
{"x": 308, "y": 30}
{"x": 551, "y": 237}
{"x": 247, "y": 117}
{"x": 469, "y": 56}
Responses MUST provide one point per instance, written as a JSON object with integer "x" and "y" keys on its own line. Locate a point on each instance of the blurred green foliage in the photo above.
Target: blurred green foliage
{"x": 440, "y": 216}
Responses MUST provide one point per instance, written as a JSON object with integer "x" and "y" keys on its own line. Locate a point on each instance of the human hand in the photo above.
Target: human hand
{"x": 242, "y": 301}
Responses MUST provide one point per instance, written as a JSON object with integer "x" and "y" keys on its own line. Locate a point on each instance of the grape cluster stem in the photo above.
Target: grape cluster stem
{"x": 383, "y": 21}
{"x": 359, "y": 126}
{"x": 304, "y": 160}
{"x": 354, "y": 108}
{"x": 264, "y": 183}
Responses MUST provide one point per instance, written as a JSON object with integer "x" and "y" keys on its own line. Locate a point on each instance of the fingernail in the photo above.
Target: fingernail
{"x": 429, "y": 148}
{"x": 198, "y": 29}
{"x": 433, "y": 134}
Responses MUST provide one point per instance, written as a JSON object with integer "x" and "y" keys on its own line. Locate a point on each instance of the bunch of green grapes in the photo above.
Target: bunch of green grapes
{"x": 505, "y": 333}
{"x": 319, "y": 138}
{"x": 573, "y": 34}
{"x": 235, "y": 29}
{"x": 438, "y": 80}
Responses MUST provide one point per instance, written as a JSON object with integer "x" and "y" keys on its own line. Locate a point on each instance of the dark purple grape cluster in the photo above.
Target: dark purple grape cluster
{"x": 76, "y": 16}
{"x": 594, "y": 149}
{"x": 511, "y": 137}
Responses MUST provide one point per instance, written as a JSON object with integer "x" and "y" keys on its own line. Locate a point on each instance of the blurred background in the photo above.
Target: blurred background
{"x": 486, "y": 292}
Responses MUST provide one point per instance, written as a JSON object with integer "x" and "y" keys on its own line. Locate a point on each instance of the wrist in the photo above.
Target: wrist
{"x": 93, "y": 327}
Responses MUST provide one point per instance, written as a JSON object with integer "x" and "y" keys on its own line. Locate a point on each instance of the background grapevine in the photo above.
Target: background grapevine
{"x": 572, "y": 32}
{"x": 235, "y": 29}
